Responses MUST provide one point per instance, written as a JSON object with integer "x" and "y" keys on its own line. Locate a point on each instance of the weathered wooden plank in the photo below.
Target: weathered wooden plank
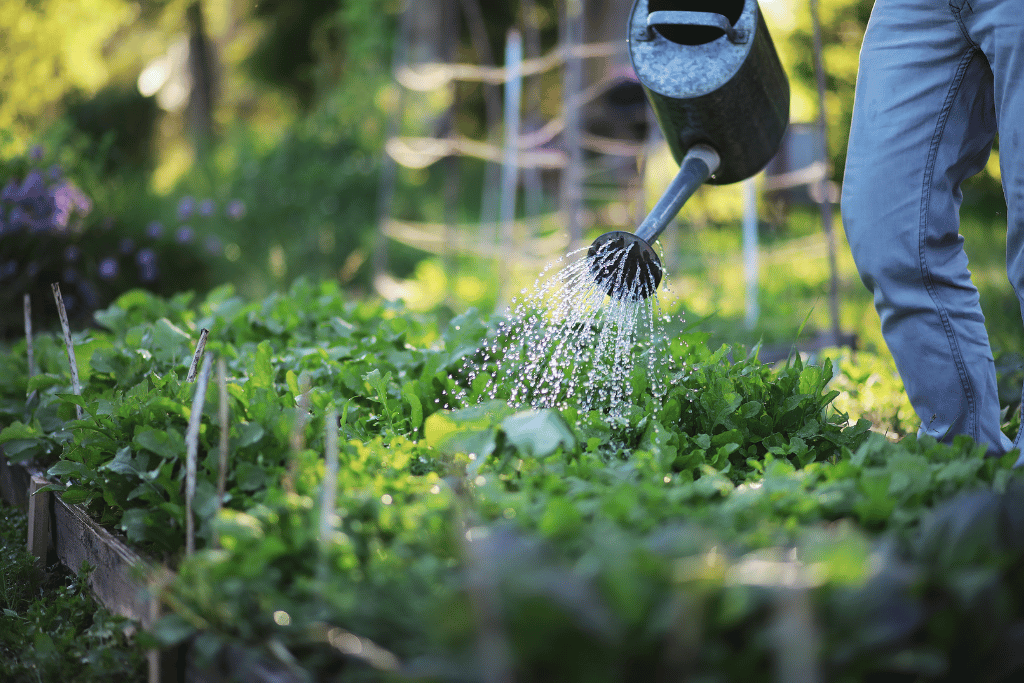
{"x": 116, "y": 580}
{"x": 38, "y": 518}
{"x": 14, "y": 481}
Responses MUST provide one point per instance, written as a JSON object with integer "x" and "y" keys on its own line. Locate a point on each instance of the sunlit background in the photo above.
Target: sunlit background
{"x": 182, "y": 145}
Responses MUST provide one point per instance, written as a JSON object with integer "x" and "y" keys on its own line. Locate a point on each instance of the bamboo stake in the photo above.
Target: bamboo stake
{"x": 222, "y": 474}
{"x": 510, "y": 169}
{"x": 29, "y": 347}
{"x": 191, "y": 453}
{"x": 329, "y": 490}
{"x": 76, "y": 387}
{"x": 200, "y": 350}
{"x": 297, "y": 439}
{"x": 153, "y": 655}
{"x": 570, "y": 36}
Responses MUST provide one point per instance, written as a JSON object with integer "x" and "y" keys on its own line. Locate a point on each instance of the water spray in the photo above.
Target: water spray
{"x": 721, "y": 98}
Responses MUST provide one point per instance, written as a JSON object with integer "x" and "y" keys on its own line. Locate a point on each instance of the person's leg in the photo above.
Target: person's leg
{"x": 998, "y": 29}
{"x": 923, "y": 122}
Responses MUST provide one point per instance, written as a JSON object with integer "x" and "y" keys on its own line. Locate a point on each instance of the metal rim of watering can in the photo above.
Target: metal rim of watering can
{"x": 677, "y": 18}
{"x": 611, "y": 273}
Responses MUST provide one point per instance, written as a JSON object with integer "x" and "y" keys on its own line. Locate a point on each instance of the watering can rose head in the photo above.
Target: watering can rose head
{"x": 624, "y": 265}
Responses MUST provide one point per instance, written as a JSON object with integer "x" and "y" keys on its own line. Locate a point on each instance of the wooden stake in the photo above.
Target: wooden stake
{"x": 222, "y": 473}
{"x": 153, "y": 655}
{"x": 76, "y": 388}
{"x": 191, "y": 453}
{"x": 200, "y": 349}
{"x": 297, "y": 439}
{"x": 329, "y": 490}
{"x": 38, "y": 519}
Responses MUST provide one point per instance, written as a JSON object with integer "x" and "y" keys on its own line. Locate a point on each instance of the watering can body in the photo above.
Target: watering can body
{"x": 712, "y": 75}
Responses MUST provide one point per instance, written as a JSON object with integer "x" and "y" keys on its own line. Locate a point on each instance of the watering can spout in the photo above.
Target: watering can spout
{"x": 625, "y": 264}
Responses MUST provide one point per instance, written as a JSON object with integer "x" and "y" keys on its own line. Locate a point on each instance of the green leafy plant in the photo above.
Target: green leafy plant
{"x": 51, "y": 629}
{"x": 669, "y": 539}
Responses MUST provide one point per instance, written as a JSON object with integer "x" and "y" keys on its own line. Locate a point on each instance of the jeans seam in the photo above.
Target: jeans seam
{"x": 1020, "y": 430}
{"x": 954, "y": 347}
{"x": 958, "y": 15}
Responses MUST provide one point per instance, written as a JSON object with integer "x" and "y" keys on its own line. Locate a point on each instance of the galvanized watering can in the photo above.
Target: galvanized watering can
{"x": 721, "y": 98}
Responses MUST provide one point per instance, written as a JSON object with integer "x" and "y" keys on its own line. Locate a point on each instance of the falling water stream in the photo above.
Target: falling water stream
{"x": 588, "y": 334}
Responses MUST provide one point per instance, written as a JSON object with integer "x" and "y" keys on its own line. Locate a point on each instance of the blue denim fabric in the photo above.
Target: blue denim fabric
{"x": 937, "y": 81}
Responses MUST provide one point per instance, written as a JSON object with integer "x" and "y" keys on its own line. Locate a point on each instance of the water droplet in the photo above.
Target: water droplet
{"x": 567, "y": 342}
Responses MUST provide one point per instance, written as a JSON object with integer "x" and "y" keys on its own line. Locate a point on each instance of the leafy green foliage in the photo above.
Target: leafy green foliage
{"x": 671, "y": 541}
{"x": 51, "y": 630}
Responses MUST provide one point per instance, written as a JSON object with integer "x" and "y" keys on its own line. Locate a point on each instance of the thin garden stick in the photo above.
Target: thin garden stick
{"x": 153, "y": 655}
{"x": 222, "y": 394}
{"x": 297, "y": 439}
{"x": 222, "y": 473}
{"x": 200, "y": 349}
{"x": 76, "y": 387}
{"x": 329, "y": 489}
{"x": 493, "y": 645}
{"x": 191, "y": 453}
{"x": 30, "y": 349}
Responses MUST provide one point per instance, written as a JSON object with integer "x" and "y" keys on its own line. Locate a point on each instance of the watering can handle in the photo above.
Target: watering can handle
{"x": 711, "y": 19}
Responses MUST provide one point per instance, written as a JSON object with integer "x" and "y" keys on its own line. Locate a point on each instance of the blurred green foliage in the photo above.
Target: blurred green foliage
{"x": 51, "y": 629}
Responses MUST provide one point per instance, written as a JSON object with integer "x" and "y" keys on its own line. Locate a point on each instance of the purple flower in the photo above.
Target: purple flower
{"x": 146, "y": 261}
{"x": 8, "y": 269}
{"x": 185, "y": 208}
{"x": 214, "y": 245}
{"x": 36, "y": 153}
{"x": 72, "y": 253}
{"x": 69, "y": 275}
{"x": 108, "y": 268}
{"x": 32, "y": 187}
{"x": 207, "y": 207}
{"x": 145, "y": 257}
{"x": 68, "y": 199}
{"x": 55, "y": 172}
{"x": 185, "y": 234}
{"x": 126, "y": 245}
{"x": 236, "y": 209}
{"x": 10, "y": 191}
{"x": 21, "y": 219}
{"x": 155, "y": 230}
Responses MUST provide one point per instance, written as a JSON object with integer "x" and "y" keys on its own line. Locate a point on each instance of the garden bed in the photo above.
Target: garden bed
{"x": 367, "y": 525}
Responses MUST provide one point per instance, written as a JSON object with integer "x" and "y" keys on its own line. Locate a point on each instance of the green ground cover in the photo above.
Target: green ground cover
{"x": 51, "y": 629}
{"x": 740, "y": 528}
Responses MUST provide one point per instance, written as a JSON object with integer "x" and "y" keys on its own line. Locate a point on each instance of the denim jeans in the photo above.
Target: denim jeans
{"x": 938, "y": 79}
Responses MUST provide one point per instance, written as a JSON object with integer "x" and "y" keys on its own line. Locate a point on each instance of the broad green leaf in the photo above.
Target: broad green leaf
{"x": 169, "y": 343}
{"x": 415, "y": 405}
{"x": 66, "y": 468}
{"x": 75, "y": 495}
{"x": 538, "y": 433}
{"x": 44, "y": 381}
{"x": 249, "y": 477}
{"x": 167, "y": 443}
{"x": 20, "y": 430}
{"x": 248, "y": 434}
{"x": 261, "y": 375}
{"x": 122, "y": 462}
